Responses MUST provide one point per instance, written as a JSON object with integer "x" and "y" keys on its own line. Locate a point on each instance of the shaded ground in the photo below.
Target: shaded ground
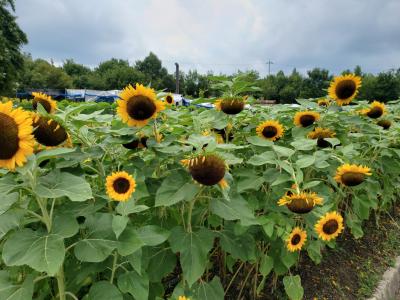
{"x": 353, "y": 270}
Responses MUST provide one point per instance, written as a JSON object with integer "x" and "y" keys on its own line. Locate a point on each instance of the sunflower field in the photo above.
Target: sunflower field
{"x": 144, "y": 199}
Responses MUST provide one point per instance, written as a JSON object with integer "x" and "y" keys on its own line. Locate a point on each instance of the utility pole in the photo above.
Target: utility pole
{"x": 177, "y": 78}
{"x": 269, "y": 63}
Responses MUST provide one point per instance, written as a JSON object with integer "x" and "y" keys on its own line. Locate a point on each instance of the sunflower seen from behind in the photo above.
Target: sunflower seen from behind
{"x": 385, "y": 124}
{"x": 305, "y": 118}
{"x": 329, "y": 226}
{"x": 16, "y": 139}
{"x": 296, "y": 239}
{"x": 352, "y": 175}
{"x": 46, "y": 101}
{"x": 230, "y": 105}
{"x": 207, "y": 169}
{"x": 120, "y": 186}
{"x": 343, "y": 89}
{"x": 270, "y": 130}
{"x": 137, "y": 106}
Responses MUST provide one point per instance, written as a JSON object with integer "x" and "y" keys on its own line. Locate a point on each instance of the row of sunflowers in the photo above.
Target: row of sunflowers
{"x": 159, "y": 201}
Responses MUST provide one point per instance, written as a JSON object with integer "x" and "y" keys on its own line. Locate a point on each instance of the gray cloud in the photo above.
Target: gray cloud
{"x": 222, "y": 36}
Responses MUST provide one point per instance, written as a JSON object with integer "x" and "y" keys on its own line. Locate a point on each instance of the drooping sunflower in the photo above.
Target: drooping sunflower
{"x": 320, "y": 134}
{"x": 16, "y": 139}
{"x": 49, "y": 132}
{"x": 296, "y": 239}
{"x": 46, "y": 101}
{"x": 343, "y": 89}
{"x": 329, "y": 226}
{"x": 351, "y": 175}
{"x": 305, "y": 118}
{"x": 138, "y": 105}
{"x": 270, "y": 130}
{"x": 376, "y": 110}
{"x": 384, "y": 123}
{"x": 324, "y": 102}
{"x": 120, "y": 186}
{"x": 169, "y": 99}
{"x": 300, "y": 203}
{"x": 137, "y": 143}
{"x": 230, "y": 105}
{"x": 207, "y": 169}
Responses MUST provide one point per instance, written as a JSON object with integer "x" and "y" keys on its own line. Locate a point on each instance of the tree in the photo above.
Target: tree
{"x": 315, "y": 84}
{"x": 384, "y": 87}
{"x": 79, "y": 73}
{"x": 11, "y": 40}
{"x": 40, "y": 74}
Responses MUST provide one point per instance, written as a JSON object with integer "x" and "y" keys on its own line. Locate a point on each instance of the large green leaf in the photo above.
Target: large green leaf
{"x": 59, "y": 184}
{"x": 129, "y": 241}
{"x": 10, "y": 220}
{"x": 42, "y": 252}
{"x": 129, "y": 207}
{"x": 7, "y": 200}
{"x": 10, "y": 291}
{"x": 134, "y": 284}
{"x": 152, "y": 235}
{"x": 293, "y": 287}
{"x": 175, "y": 189}
{"x": 65, "y": 226}
{"x": 193, "y": 248}
{"x": 212, "y": 290}
{"x": 103, "y": 290}
{"x": 47, "y": 154}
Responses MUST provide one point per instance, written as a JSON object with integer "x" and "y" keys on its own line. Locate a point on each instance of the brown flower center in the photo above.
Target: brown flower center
{"x": 300, "y": 205}
{"x": 232, "y": 107}
{"x": 330, "y": 227}
{"x": 169, "y": 99}
{"x": 46, "y": 105}
{"x": 9, "y": 140}
{"x": 141, "y": 108}
{"x": 48, "y": 134}
{"x": 307, "y": 120}
{"x": 322, "y": 143}
{"x": 345, "y": 89}
{"x": 385, "y": 124}
{"x": 121, "y": 185}
{"x": 208, "y": 172}
{"x": 295, "y": 239}
{"x": 352, "y": 178}
{"x": 269, "y": 131}
{"x": 375, "y": 112}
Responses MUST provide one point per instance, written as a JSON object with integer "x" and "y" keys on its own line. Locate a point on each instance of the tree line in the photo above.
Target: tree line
{"x": 20, "y": 71}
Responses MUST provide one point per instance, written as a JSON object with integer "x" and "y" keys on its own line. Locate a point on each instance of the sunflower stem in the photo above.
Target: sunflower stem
{"x": 189, "y": 217}
{"x": 61, "y": 283}
{"x": 114, "y": 267}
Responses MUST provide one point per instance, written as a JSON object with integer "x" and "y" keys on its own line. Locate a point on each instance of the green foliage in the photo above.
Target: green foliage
{"x": 61, "y": 232}
{"x": 11, "y": 40}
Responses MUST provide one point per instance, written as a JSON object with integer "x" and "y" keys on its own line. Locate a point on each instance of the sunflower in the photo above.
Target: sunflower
{"x": 305, "y": 118}
{"x": 222, "y": 133}
{"x": 138, "y": 105}
{"x": 384, "y": 123}
{"x": 344, "y": 88}
{"x": 16, "y": 139}
{"x": 183, "y": 298}
{"x": 169, "y": 99}
{"x": 49, "y": 132}
{"x": 218, "y": 137}
{"x": 136, "y": 143}
{"x": 320, "y": 134}
{"x": 300, "y": 203}
{"x": 230, "y": 105}
{"x": 296, "y": 239}
{"x": 120, "y": 186}
{"x": 351, "y": 175}
{"x": 329, "y": 226}
{"x": 324, "y": 102}
{"x": 207, "y": 169}
{"x": 270, "y": 130}
{"x": 48, "y": 104}
{"x": 376, "y": 110}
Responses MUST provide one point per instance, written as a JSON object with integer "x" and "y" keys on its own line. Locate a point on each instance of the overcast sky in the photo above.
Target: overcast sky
{"x": 218, "y": 35}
